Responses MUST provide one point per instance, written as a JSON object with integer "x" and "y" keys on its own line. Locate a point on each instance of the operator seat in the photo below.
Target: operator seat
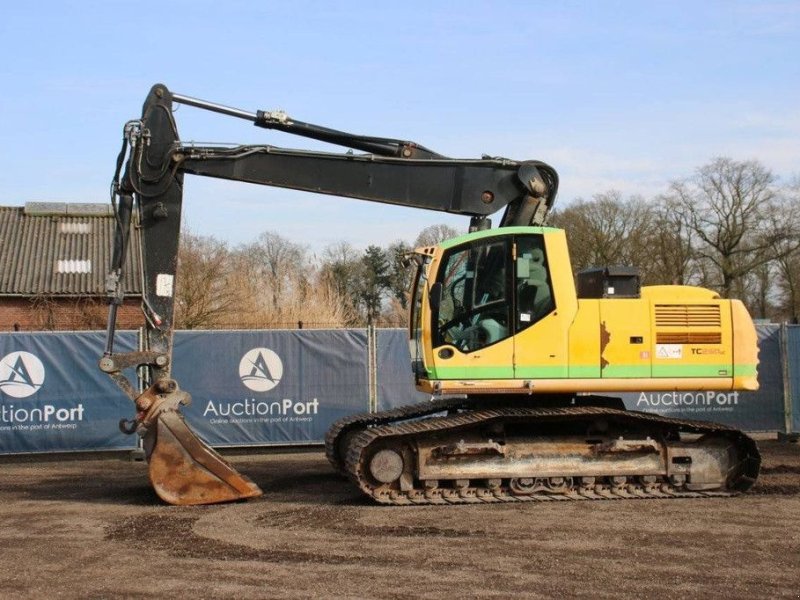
{"x": 534, "y": 298}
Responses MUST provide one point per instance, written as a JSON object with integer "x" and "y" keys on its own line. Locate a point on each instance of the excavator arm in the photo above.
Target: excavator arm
{"x": 149, "y": 182}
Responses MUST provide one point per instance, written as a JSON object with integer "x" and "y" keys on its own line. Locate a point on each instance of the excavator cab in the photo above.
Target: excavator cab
{"x": 472, "y": 296}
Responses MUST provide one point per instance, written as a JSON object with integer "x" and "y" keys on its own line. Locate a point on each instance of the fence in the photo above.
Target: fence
{"x": 287, "y": 387}
{"x": 791, "y": 370}
{"x": 271, "y": 387}
{"x": 53, "y": 398}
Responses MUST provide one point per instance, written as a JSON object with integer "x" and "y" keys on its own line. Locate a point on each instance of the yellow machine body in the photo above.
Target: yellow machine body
{"x": 669, "y": 338}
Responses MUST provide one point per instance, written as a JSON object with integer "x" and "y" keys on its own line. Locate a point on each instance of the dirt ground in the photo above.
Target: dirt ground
{"x": 94, "y": 529}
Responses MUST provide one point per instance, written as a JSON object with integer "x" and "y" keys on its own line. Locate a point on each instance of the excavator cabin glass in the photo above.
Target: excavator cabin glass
{"x": 491, "y": 289}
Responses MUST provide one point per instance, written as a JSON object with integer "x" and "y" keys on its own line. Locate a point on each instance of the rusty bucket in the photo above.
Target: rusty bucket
{"x": 184, "y": 470}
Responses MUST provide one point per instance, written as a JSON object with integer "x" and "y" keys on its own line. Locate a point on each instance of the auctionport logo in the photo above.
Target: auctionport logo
{"x": 21, "y": 374}
{"x": 260, "y": 369}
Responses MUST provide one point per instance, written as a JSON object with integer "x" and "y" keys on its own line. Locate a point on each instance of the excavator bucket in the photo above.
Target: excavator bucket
{"x": 183, "y": 469}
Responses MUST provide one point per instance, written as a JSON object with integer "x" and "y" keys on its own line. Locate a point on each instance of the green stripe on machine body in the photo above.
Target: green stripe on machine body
{"x": 627, "y": 371}
{"x": 541, "y": 372}
{"x": 466, "y": 372}
{"x": 584, "y": 371}
{"x": 723, "y": 370}
{"x": 748, "y": 370}
{"x": 591, "y": 372}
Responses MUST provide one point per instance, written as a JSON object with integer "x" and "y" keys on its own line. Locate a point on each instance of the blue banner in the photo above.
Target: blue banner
{"x": 287, "y": 387}
{"x": 793, "y": 348}
{"x": 394, "y": 376}
{"x": 53, "y": 396}
{"x": 270, "y": 387}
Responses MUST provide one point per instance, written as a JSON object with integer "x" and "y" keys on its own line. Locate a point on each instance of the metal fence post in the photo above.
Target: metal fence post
{"x": 138, "y": 453}
{"x": 372, "y": 366}
{"x": 787, "y": 435}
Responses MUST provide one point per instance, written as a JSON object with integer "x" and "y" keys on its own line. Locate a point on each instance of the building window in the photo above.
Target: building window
{"x": 74, "y": 266}
{"x": 72, "y": 227}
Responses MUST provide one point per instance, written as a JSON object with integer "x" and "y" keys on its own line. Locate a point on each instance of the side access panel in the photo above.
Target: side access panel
{"x": 625, "y": 339}
{"x": 584, "y": 341}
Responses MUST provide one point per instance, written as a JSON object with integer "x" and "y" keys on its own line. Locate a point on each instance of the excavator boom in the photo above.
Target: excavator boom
{"x": 148, "y": 182}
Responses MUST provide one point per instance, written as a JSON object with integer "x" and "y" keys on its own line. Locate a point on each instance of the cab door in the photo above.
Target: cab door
{"x": 472, "y": 327}
{"x": 540, "y": 340}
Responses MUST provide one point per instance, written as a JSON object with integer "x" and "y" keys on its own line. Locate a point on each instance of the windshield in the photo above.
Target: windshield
{"x": 474, "y": 310}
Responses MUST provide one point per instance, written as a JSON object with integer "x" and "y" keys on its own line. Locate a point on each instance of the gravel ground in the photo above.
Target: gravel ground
{"x": 94, "y": 529}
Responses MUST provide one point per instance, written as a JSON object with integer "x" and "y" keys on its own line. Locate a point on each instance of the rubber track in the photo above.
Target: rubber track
{"x": 382, "y": 429}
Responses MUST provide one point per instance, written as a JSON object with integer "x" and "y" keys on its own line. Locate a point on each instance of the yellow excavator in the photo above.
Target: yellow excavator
{"x": 520, "y": 357}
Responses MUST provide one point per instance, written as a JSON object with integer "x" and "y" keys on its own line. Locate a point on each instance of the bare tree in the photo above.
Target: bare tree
{"x": 668, "y": 251}
{"x": 203, "y": 295}
{"x": 607, "y": 230}
{"x": 735, "y": 214}
{"x": 435, "y": 234}
{"x": 297, "y": 292}
{"x": 757, "y": 290}
{"x": 788, "y": 263}
{"x": 788, "y": 267}
{"x": 394, "y": 314}
{"x": 278, "y": 263}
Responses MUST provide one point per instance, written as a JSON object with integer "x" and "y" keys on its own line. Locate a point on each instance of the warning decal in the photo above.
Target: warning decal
{"x": 669, "y": 351}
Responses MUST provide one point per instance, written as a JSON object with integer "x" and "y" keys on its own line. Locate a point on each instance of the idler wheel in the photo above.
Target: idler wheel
{"x": 386, "y": 465}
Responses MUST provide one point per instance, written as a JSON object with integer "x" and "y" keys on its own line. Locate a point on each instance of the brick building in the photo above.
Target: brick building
{"x": 54, "y": 258}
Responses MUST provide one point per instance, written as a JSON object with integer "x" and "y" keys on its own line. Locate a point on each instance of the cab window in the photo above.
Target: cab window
{"x": 533, "y": 286}
{"x": 475, "y": 308}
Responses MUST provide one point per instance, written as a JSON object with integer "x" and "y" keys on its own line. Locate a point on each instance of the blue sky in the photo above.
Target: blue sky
{"x": 624, "y": 95}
